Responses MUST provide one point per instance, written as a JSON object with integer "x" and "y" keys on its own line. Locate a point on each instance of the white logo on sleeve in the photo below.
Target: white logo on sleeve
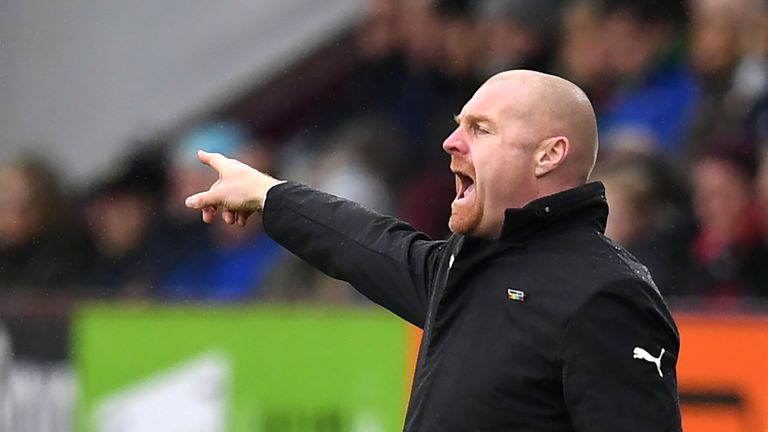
{"x": 641, "y": 354}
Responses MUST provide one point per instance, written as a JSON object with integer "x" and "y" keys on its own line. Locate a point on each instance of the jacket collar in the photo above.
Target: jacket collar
{"x": 581, "y": 206}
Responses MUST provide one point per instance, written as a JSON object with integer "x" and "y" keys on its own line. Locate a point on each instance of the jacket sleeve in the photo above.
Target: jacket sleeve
{"x": 385, "y": 259}
{"x": 610, "y": 351}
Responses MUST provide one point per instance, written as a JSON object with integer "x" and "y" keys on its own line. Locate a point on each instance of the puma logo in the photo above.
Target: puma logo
{"x": 641, "y": 354}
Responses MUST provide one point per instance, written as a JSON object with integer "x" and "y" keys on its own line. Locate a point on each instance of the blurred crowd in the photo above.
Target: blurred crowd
{"x": 681, "y": 92}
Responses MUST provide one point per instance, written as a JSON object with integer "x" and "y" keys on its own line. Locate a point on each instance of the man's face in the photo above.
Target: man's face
{"x": 491, "y": 157}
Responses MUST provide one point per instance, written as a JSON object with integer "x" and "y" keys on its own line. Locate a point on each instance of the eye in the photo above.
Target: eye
{"x": 480, "y": 130}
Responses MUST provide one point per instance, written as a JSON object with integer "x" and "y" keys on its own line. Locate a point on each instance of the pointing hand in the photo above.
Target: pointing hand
{"x": 239, "y": 192}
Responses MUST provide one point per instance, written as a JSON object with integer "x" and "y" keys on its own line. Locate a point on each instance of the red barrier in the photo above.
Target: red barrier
{"x": 723, "y": 372}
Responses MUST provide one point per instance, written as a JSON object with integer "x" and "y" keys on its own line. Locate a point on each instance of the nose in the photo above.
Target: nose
{"x": 455, "y": 143}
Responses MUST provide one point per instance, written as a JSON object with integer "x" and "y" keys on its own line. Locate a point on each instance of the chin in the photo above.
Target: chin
{"x": 461, "y": 226}
{"x": 455, "y": 229}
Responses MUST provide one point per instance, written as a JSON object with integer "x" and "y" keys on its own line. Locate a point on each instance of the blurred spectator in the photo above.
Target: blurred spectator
{"x": 377, "y": 36}
{"x": 458, "y": 43}
{"x": 361, "y": 161}
{"x": 119, "y": 213}
{"x": 655, "y": 94}
{"x": 378, "y": 46}
{"x": 729, "y": 252}
{"x": 419, "y": 93}
{"x": 716, "y": 49}
{"x": 751, "y": 81}
{"x": 648, "y": 216}
{"x": 757, "y": 121}
{"x": 38, "y": 235}
{"x": 237, "y": 260}
{"x": 178, "y": 232}
{"x": 580, "y": 54}
{"x": 452, "y": 81}
{"x": 418, "y": 31}
{"x": 516, "y": 34}
{"x": 715, "y": 44}
{"x": 377, "y": 71}
{"x": 234, "y": 269}
{"x": 399, "y": 50}
{"x": 751, "y": 74}
{"x": 762, "y": 191}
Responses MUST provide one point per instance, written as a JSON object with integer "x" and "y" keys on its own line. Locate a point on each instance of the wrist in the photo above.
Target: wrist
{"x": 272, "y": 183}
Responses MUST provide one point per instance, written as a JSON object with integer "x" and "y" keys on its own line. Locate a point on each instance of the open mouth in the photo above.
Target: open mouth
{"x": 465, "y": 187}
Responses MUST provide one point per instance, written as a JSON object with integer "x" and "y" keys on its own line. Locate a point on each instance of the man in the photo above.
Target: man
{"x": 533, "y": 320}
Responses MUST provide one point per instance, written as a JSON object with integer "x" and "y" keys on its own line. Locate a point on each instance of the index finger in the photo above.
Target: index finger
{"x": 213, "y": 160}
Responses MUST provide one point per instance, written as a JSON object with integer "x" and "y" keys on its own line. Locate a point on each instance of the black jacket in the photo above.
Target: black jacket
{"x": 551, "y": 328}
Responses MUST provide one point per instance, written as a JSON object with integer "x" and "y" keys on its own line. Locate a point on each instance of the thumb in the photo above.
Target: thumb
{"x": 203, "y": 199}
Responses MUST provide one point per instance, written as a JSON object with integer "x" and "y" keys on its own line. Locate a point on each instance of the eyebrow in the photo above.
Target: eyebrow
{"x": 474, "y": 118}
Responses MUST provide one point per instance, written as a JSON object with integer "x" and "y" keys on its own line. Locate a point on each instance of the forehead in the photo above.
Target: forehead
{"x": 498, "y": 99}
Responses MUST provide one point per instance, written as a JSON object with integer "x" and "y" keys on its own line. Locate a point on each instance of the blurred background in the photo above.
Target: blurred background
{"x": 122, "y": 311}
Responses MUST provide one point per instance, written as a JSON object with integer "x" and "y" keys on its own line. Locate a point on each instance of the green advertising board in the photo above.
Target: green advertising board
{"x": 233, "y": 369}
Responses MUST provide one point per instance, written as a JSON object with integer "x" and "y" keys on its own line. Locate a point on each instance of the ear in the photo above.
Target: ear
{"x": 550, "y": 154}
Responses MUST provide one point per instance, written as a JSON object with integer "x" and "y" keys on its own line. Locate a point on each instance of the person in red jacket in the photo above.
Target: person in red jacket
{"x": 729, "y": 252}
